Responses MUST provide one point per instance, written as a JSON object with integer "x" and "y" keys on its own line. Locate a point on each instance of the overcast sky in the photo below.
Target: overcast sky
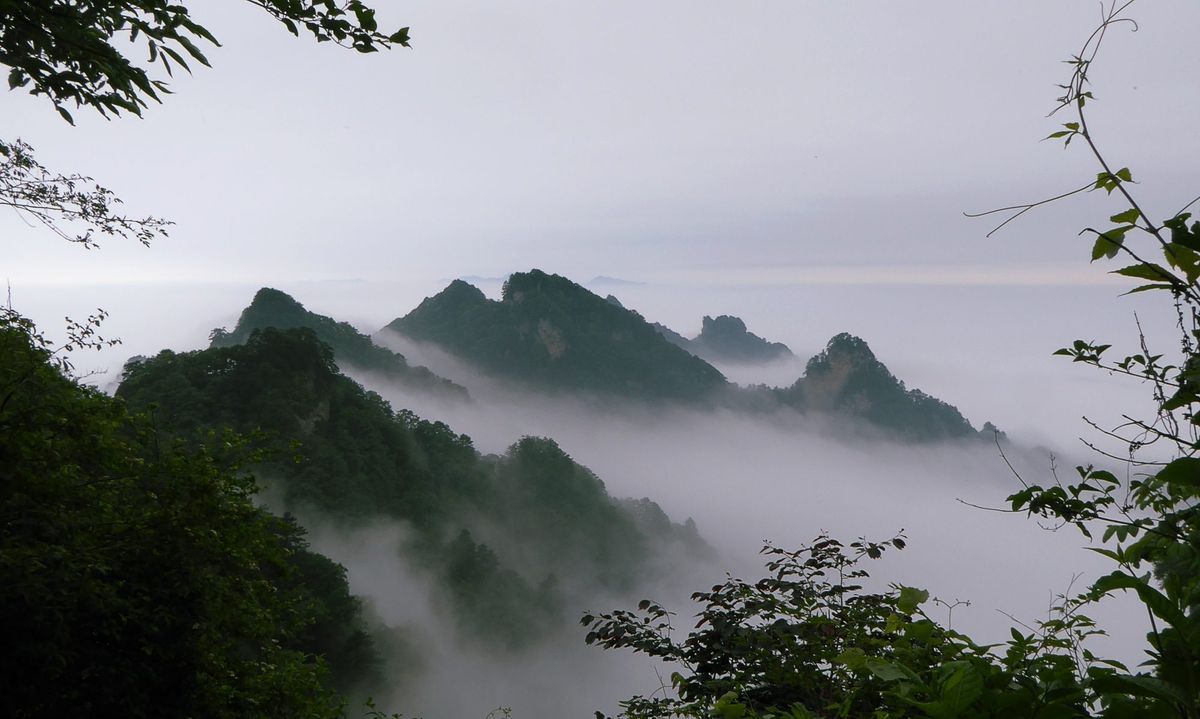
{"x": 651, "y": 140}
{"x": 803, "y": 164}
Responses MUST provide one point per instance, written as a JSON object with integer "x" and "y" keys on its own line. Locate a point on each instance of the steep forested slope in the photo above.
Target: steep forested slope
{"x": 137, "y": 576}
{"x": 507, "y": 537}
{"x": 846, "y": 378}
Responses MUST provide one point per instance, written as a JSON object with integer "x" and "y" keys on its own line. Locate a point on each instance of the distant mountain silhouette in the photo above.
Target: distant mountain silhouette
{"x": 273, "y": 308}
{"x": 726, "y": 339}
{"x": 550, "y": 332}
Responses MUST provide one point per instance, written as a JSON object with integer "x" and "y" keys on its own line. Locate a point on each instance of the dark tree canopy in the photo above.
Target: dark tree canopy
{"x": 77, "y": 51}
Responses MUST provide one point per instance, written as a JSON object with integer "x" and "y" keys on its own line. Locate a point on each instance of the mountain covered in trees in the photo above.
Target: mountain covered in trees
{"x": 140, "y": 577}
{"x": 725, "y": 339}
{"x": 847, "y": 379}
{"x": 351, "y": 348}
{"x": 551, "y": 333}
{"x": 507, "y": 539}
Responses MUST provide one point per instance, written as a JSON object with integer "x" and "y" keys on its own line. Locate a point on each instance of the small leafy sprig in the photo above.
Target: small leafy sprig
{"x": 71, "y": 206}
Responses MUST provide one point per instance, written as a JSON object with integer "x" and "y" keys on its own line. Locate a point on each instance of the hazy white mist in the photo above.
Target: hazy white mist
{"x": 744, "y": 479}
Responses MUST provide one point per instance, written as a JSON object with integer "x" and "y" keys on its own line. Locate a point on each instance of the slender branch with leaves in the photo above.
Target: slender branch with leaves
{"x": 71, "y": 206}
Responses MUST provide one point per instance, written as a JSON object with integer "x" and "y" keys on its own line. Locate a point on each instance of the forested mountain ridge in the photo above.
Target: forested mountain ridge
{"x": 552, "y": 333}
{"x": 507, "y": 539}
{"x": 140, "y": 579}
{"x": 846, "y": 378}
{"x": 725, "y": 339}
{"x": 351, "y": 348}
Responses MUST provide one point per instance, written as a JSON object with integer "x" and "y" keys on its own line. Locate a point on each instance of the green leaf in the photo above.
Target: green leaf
{"x": 1146, "y": 271}
{"x": 1184, "y": 471}
{"x": 192, "y": 49}
{"x": 1105, "y": 552}
{"x": 1138, "y": 686}
{"x": 853, "y": 658}
{"x": 1108, "y": 243}
{"x": 890, "y": 672}
{"x": 1183, "y": 258}
{"x": 910, "y": 599}
{"x": 1146, "y": 288}
{"x": 1129, "y": 216}
{"x": 1155, "y": 601}
{"x": 960, "y": 689}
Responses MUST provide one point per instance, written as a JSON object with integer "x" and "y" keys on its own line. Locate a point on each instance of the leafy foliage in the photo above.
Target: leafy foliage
{"x": 136, "y": 575}
{"x": 808, "y": 640}
{"x": 77, "y": 52}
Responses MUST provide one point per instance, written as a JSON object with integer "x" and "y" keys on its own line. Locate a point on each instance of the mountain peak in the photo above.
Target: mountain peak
{"x": 844, "y": 347}
{"x": 847, "y": 378}
{"x": 272, "y": 296}
{"x": 551, "y": 332}
{"x": 274, "y": 308}
{"x": 725, "y": 338}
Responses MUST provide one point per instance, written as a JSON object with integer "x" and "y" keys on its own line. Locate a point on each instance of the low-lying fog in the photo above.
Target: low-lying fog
{"x": 744, "y": 479}
{"x": 783, "y": 478}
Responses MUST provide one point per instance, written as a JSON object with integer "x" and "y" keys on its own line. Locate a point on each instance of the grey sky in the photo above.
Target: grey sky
{"x": 651, "y": 140}
{"x": 803, "y": 164}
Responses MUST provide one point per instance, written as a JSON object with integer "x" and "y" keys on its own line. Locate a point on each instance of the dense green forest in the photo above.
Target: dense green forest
{"x": 509, "y": 537}
{"x": 139, "y": 574}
